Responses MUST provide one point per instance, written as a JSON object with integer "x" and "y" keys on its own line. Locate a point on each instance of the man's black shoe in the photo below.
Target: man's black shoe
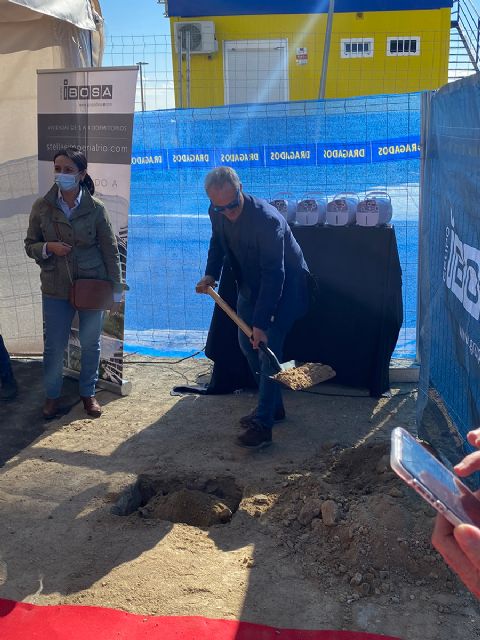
{"x": 256, "y": 437}
{"x": 9, "y": 389}
{"x": 246, "y": 421}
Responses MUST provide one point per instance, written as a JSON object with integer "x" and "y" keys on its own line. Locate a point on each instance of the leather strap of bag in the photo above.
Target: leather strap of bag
{"x": 59, "y": 238}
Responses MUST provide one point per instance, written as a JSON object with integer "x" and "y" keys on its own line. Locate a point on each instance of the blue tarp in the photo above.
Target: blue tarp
{"x": 328, "y": 146}
{"x": 450, "y": 242}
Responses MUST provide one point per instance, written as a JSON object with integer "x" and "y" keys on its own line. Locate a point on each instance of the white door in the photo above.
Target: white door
{"x": 255, "y": 71}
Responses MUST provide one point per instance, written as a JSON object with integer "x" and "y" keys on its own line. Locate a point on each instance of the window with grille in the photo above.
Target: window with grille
{"x": 356, "y": 48}
{"x": 403, "y": 46}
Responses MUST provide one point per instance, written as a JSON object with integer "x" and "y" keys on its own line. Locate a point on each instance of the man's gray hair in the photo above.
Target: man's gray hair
{"x": 220, "y": 176}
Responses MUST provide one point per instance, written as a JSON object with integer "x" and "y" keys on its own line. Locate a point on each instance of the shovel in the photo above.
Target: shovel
{"x": 296, "y": 378}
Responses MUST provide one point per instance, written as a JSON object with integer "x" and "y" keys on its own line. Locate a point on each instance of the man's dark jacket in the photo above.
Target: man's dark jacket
{"x": 272, "y": 273}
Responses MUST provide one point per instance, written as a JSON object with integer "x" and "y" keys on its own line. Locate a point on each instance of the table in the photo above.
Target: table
{"x": 354, "y": 323}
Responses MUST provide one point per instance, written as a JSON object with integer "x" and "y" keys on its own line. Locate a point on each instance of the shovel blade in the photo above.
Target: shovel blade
{"x": 305, "y": 376}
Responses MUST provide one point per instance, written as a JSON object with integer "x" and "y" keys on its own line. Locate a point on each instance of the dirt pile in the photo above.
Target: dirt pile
{"x": 353, "y": 526}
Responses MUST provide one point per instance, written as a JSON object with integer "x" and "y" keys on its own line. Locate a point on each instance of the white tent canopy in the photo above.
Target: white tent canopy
{"x": 34, "y": 34}
{"x": 78, "y": 12}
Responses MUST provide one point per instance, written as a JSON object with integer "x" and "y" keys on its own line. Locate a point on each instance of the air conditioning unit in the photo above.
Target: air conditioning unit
{"x": 202, "y": 36}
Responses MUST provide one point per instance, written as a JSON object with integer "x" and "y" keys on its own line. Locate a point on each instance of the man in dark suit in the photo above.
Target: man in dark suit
{"x": 271, "y": 276}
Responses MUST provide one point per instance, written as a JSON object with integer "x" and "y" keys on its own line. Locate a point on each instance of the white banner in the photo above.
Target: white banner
{"x": 93, "y": 109}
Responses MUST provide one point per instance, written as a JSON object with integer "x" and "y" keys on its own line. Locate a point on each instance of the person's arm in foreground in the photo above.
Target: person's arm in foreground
{"x": 460, "y": 546}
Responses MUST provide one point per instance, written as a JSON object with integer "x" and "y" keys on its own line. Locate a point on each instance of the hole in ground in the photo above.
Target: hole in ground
{"x": 200, "y": 502}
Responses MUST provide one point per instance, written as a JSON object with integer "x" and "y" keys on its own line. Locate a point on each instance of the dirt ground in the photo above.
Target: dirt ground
{"x": 314, "y": 532}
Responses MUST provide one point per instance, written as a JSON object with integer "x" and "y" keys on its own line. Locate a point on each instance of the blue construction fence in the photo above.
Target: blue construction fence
{"x": 303, "y": 148}
{"x": 449, "y": 399}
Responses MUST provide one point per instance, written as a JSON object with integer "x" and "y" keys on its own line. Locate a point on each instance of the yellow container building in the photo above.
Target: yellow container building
{"x": 230, "y": 52}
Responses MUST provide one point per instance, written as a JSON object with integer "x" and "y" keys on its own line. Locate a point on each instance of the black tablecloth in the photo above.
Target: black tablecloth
{"x": 352, "y": 324}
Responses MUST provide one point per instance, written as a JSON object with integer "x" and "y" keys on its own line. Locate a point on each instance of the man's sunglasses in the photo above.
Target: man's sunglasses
{"x": 232, "y": 205}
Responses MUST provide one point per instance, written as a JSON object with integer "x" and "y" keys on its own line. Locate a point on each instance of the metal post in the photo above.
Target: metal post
{"x": 141, "y": 64}
{"x": 179, "y": 70}
{"x": 187, "y": 48}
{"x": 478, "y": 40}
{"x": 326, "y": 49}
{"x": 426, "y": 99}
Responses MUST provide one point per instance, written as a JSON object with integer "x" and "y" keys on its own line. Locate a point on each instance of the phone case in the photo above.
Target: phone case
{"x": 427, "y": 493}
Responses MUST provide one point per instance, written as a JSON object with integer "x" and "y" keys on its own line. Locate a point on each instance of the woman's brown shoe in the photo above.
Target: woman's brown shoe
{"x": 50, "y": 408}
{"x": 91, "y": 406}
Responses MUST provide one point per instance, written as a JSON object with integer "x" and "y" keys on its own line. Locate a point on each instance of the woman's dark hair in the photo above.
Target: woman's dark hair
{"x": 80, "y": 161}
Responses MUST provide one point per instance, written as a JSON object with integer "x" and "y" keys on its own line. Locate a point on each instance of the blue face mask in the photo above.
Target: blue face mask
{"x": 66, "y": 181}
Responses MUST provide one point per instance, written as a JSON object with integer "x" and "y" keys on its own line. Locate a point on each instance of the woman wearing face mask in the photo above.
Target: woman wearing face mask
{"x": 69, "y": 225}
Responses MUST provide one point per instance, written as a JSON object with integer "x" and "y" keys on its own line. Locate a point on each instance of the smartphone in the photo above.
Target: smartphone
{"x": 432, "y": 480}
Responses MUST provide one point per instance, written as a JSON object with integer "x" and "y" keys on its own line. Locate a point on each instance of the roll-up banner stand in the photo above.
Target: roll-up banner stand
{"x": 92, "y": 108}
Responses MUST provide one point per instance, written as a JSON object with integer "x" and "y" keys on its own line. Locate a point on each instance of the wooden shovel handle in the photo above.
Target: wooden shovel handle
{"x": 230, "y": 312}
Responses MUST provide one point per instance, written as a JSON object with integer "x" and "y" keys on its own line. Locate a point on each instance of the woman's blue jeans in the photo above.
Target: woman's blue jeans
{"x": 269, "y": 391}
{"x": 57, "y": 318}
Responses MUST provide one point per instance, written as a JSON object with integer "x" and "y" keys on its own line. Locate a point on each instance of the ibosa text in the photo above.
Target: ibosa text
{"x": 461, "y": 271}
{"x": 87, "y": 92}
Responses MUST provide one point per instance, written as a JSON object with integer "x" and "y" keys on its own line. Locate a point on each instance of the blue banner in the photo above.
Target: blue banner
{"x": 156, "y": 157}
{"x": 241, "y": 157}
{"x": 284, "y": 155}
{"x": 181, "y": 158}
{"x": 343, "y": 153}
{"x": 388, "y": 150}
{"x": 397, "y": 149}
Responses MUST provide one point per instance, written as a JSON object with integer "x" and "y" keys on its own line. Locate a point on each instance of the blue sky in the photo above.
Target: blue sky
{"x": 142, "y": 19}
{"x": 134, "y": 17}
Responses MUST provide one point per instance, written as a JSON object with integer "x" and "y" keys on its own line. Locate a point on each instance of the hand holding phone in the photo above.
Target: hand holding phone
{"x": 432, "y": 480}
{"x": 460, "y": 548}
{"x": 457, "y": 530}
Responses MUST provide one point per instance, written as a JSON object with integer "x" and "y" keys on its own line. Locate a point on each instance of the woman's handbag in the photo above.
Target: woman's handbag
{"x": 88, "y": 294}
{"x": 91, "y": 295}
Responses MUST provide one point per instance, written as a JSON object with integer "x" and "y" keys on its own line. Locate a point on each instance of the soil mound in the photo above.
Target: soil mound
{"x": 360, "y": 523}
